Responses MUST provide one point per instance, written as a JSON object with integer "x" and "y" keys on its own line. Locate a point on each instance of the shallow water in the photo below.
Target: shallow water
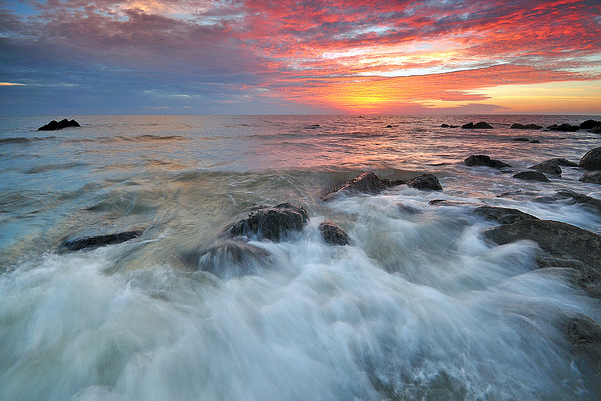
{"x": 418, "y": 307}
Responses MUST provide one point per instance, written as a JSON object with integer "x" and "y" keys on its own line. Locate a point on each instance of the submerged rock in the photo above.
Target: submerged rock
{"x": 480, "y": 125}
{"x": 367, "y": 183}
{"x": 532, "y": 176}
{"x": 591, "y": 160}
{"x": 484, "y": 160}
{"x": 503, "y": 215}
{"x": 425, "y": 182}
{"x": 573, "y": 198}
{"x": 270, "y": 222}
{"x": 527, "y": 126}
{"x": 56, "y": 125}
{"x": 560, "y": 161}
{"x": 592, "y": 178}
{"x": 333, "y": 234}
{"x": 547, "y": 167}
{"x": 90, "y": 243}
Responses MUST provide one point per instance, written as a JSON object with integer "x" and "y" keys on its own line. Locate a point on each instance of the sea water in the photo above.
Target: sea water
{"x": 418, "y": 307}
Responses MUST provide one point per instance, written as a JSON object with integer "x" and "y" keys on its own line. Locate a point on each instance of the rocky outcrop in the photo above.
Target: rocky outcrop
{"x": 366, "y": 183}
{"x": 332, "y": 234}
{"x": 548, "y": 167}
{"x": 480, "y": 125}
{"x": 596, "y": 130}
{"x": 425, "y": 182}
{"x": 531, "y": 176}
{"x": 270, "y": 222}
{"x": 563, "y": 127}
{"x": 588, "y": 124}
{"x": 502, "y": 215}
{"x": 527, "y": 126}
{"x": 560, "y": 161}
{"x": 56, "y": 125}
{"x": 591, "y": 160}
{"x": 559, "y": 239}
{"x": 448, "y": 126}
{"x": 592, "y": 178}
{"x": 90, "y": 243}
{"x": 484, "y": 160}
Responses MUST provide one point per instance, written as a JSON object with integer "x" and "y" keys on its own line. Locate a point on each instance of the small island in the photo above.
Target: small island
{"x": 56, "y": 125}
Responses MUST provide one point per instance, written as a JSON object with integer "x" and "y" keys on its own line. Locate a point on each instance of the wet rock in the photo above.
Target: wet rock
{"x": 547, "y": 167}
{"x": 90, "y": 243}
{"x": 527, "y": 126}
{"x": 559, "y": 239}
{"x": 588, "y": 124}
{"x": 270, "y": 222}
{"x": 392, "y": 183}
{"x": 591, "y": 160}
{"x": 531, "y": 176}
{"x": 596, "y": 130}
{"x": 333, "y": 234}
{"x": 445, "y": 202}
{"x": 425, "y": 182}
{"x": 448, "y": 126}
{"x": 573, "y": 198}
{"x": 563, "y": 128}
{"x": 367, "y": 183}
{"x": 502, "y": 215}
{"x": 521, "y": 139}
{"x": 592, "y": 178}
{"x": 480, "y": 125}
{"x": 56, "y": 125}
{"x": 560, "y": 161}
{"x": 484, "y": 160}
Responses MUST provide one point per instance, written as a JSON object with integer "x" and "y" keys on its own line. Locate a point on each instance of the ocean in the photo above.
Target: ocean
{"x": 419, "y": 305}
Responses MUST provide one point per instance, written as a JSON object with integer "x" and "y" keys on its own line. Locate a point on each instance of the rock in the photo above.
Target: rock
{"x": 484, "y": 160}
{"x": 392, "y": 183}
{"x": 547, "y": 167}
{"x": 593, "y": 178}
{"x": 270, "y": 222}
{"x": 425, "y": 182}
{"x": 445, "y": 126}
{"x": 559, "y": 239}
{"x": 527, "y": 126}
{"x": 534, "y": 141}
{"x": 531, "y": 176}
{"x": 332, "y": 234}
{"x": 563, "y": 128}
{"x": 521, "y": 139}
{"x": 89, "y": 243}
{"x": 591, "y": 160}
{"x": 389, "y": 126}
{"x": 574, "y": 198}
{"x": 588, "y": 124}
{"x": 445, "y": 202}
{"x": 596, "y": 129}
{"x": 54, "y": 125}
{"x": 562, "y": 162}
{"x": 502, "y": 215}
{"x": 367, "y": 183}
{"x": 480, "y": 125}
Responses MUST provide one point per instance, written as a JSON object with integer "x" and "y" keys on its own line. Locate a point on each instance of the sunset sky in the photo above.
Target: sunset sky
{"x": 299, "y": 57}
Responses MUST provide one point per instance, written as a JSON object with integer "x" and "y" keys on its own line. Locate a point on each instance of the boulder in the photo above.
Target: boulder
{"x": 425, "y": 182}
{"x": 502, "y": 215}
{"x": 591, "y": 160}
{"x": 563, "y": 128}
{"x": 484, "y": 160}
{"x": 480, "y": 125}
{"x": 593, "y": 177}
{"x": 270, "y": 222}
{"x": 547, "y": 167}
{"x": 531, "y": 176}
{"x": 89, "y": 243}
{"x": 527, "y": 126}
{"x": 332, "y": 234}
{"x": 367, "y": 183}
{"x": 588, "y": 124}
{"x": 559, "y": 239}
{"x": 56, "y": 125}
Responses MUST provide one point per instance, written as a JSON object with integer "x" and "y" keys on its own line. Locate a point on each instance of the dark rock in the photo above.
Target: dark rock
{"x": 574, "y": 198}
{"x": 484, "y": 160}
{"x": 389, "y": 126}
{"x": 547, "y": 167}
{"x": 502, "y": 215}
{"x": 593, "y": 178}
{"x": 54, "y": 125}
{"x": 562, "y": 162}
{"x": 270, "y": 222}
{"x": 521, "y": 139}
{"x": 89, "y": 243}
{"x": 368, "y": 183}
{"x": 531, "y": 176}
{"x": 480, "y": 125}
{"x": 527, "y": 126}
{"x": 534, "y": 141}
{"x": 588, "y": 124}
{"x": 563, "y": 128}
{"x": 445, "y": 126}
{"x": 332, "y": 234}
{"x": 425, "y": 182}
{"x": 591, "y": 160}
{"x": 557, "y": 238}
{"x": 596, "y": 129}
{"x": 392, "y": 183}
{"x": 445, "y": 202}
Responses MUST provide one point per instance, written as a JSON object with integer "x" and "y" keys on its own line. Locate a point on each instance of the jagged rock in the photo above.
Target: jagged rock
{"x": 367, "y": 183}
{"x": 502, "y": 215}
{"x": 559, "y": 239}
{"x": 547, "y": 167}
{"x": 56, "y": 125}
{"x": 591, "y": 160}
{"x": 270, "y": 222}
{"x": 480, "y": 125}
{"x": 531, "y": 176}
{"x": 425, "y": 182}
{"x": 484, "y": 160}
{"x": 593, "y": 178}
{"x": 527, "y": 126}
{"x": 332, "y": 234}
{"x": 588, "y": 124}
{"x": 563, "y": 128}
{"x": 89, "y": 243}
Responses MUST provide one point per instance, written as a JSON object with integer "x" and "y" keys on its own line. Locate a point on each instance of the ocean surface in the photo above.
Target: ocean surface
{"x": 418, "y": 307}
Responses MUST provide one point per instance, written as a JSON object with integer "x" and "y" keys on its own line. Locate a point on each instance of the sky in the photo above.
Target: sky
{"x": 74, "y": 57}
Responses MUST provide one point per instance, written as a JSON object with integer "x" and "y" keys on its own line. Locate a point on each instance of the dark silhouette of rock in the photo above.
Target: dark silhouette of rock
{"x": 484, "y": 160}
{"x": 502, "y": 215}
{"x": 521, "y": 139}
{"x": 591, "y": 160}
{"x": 588, "y": 124}
{"x": 270, "y": 222}
{"x": 425, "y": 182}
{"x": 54, "y": 125}
{"x": 89, "y": 243}
{"x": 557, "y": 238}
{"x": 480, "y": 125}
{"x": 592, "y": 178}
{"x": 548, "y": 167}
{"x": 367, "y": 183}
{"x": 531, "y": 176}
{"x": 596, "y": 129}
{"x": 332, "y": 234}
{"x": 448, "y": 126}
{"x": 562, "y": 162}
{"x": 534, "y": 141}
{"x": 389, "y": 126}
{"x": 527, "y": 126}
{"x": 563, "y": 128}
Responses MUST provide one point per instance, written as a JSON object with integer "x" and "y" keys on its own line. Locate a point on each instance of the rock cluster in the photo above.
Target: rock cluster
{"x": 527, "y": 126}
{"x": 56, "y": 125}
{"x": 480, "y": 125}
